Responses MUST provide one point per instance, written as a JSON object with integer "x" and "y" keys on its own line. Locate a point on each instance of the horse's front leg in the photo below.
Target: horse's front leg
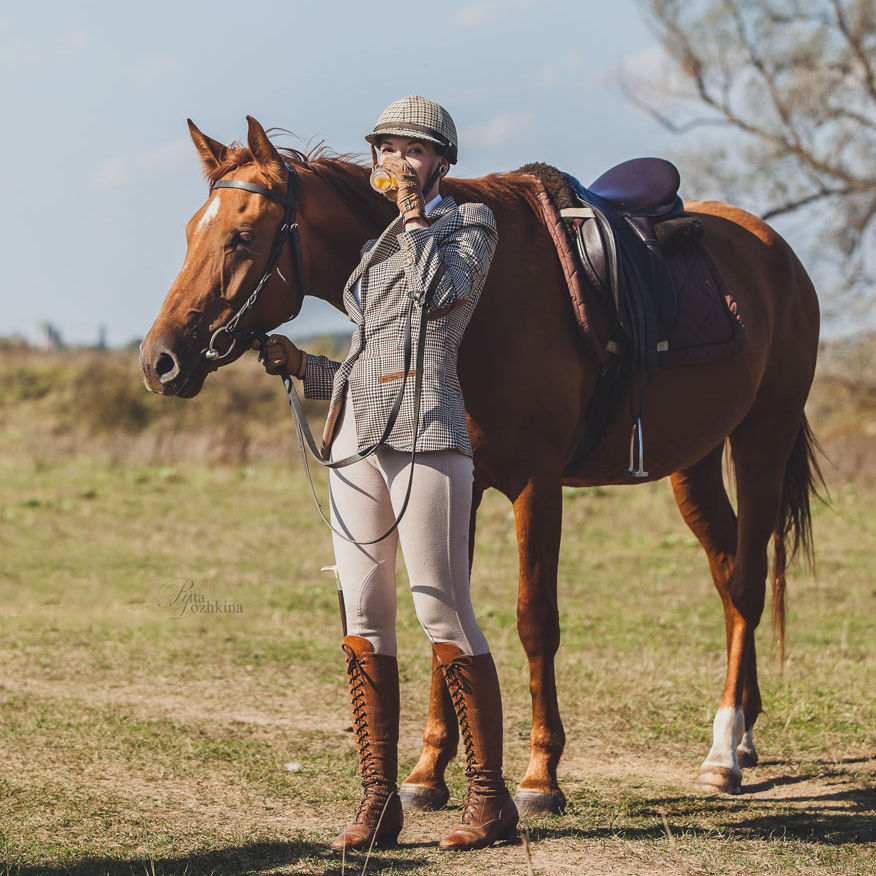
{"x": 538, "y": 511}
{"x": 425, "y": 787}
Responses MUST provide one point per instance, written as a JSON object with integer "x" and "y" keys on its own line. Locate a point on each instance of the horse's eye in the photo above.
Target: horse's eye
{"x": 239, "y": 240}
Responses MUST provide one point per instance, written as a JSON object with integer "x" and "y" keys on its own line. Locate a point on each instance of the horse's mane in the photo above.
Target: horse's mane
{"x": 347, "y": 175}
{"x": 497, "y": 191}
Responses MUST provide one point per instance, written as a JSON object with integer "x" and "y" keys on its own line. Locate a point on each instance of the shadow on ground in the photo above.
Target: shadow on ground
{"x": 239, "y": 861}
{"x": 834, "y": 806}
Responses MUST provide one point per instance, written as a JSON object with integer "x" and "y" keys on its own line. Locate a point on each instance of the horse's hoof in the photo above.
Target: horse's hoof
{"x": 747, "y": 757}
{"x": 719, "y": 779}
{"x": 537, "y": 803}
{"x": 423, "y": 797}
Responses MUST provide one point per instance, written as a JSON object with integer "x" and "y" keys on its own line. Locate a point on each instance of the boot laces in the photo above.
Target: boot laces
{"x": 373, "y": 803}
{"x": 455, "y": 686}
{"x": 367, "y": 766}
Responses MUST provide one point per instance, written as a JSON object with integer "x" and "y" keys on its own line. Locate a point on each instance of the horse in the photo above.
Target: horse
{"x": 526, "y": 380}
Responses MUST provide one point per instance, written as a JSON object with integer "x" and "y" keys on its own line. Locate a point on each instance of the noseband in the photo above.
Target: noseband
{"x": 288, "y": 228}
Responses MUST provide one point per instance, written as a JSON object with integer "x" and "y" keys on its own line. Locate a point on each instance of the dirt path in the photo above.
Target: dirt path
{"x": 627, "y": 835}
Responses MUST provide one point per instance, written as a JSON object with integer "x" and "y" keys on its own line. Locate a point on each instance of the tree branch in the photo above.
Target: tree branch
{"x": 791, "y": 206}
{"x": 664, "y": 120}
{"x": 856, "y": 47}
{"x": 769, "y": 80}
{"x": 679, "y": 45}
{"x": 840, "y": 112}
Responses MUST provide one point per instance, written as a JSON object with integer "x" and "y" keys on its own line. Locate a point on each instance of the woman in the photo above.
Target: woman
{"x": 441, "y": 251}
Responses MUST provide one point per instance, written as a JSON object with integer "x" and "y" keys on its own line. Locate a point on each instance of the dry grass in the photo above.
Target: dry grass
{"x": 842, "y": 408}
{"x": 218, "y": 743}
{"x": 134, "y": 741}
{"x": 92, "y": 405}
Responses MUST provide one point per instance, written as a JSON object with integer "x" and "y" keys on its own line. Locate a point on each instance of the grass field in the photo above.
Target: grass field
{"x": 138, "y": 736}
{"x": 134, "y": 738}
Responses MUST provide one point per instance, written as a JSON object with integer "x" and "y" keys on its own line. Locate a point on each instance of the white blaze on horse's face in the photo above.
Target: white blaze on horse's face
{"x": 207, "y": 220}
{"x": 209, "y": 214}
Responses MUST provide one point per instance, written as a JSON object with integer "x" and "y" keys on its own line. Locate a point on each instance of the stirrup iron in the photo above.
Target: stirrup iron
{"x": 631, "y": 470}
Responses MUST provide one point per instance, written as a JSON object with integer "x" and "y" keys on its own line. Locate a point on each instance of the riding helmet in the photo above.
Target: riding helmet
{"x": 416, "y": 117}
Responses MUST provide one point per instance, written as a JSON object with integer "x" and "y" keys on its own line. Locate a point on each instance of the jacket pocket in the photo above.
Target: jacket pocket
{"x": 395, "y": 375}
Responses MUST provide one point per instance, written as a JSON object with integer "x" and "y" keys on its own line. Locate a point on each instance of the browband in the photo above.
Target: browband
{"x": 289, "y": 200}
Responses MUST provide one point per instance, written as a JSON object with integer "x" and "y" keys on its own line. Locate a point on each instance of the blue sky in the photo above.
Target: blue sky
{"x": 100, "y": 176}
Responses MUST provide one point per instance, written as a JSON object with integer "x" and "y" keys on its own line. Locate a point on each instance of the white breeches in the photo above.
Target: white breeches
{"x": 365, "y": 499}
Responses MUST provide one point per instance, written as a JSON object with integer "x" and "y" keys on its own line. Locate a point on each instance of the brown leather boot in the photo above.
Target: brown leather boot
{"x": 373, "y": 684}
{"x": 489, "y": 812}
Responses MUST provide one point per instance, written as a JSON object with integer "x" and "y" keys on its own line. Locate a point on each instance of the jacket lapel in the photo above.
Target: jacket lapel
{"x": 386, "y": 244}
{"x": 447, "y": 204}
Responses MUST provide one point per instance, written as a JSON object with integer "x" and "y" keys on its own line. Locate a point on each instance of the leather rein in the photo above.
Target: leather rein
{"x": 289, "y": 230}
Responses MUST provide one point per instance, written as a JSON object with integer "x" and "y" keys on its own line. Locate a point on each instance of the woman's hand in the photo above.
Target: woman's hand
{"x": 409, "y": 194}
{"x": 281, "y": 353}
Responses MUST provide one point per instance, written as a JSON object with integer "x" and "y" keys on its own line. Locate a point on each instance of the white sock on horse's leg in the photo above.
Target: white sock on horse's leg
{"x": 728, "y": 730}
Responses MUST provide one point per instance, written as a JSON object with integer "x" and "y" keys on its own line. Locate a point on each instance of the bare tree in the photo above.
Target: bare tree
{"x": 781, "y": 98}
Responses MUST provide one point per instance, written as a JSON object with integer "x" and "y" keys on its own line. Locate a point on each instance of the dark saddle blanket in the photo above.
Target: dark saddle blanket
{"x": 643, "y": 287}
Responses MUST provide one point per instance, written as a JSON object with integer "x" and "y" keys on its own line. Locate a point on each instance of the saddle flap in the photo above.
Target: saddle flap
{"x": 633, "y": 272}
{"x": 591, "y": 249}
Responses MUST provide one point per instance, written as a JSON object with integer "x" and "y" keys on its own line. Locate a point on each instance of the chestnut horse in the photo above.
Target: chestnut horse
{"x": 527, "y": 380}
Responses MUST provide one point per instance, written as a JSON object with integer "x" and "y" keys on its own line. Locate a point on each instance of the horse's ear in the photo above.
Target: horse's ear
{"x": 212, "y": 152}
{"x": 264, "y": 151}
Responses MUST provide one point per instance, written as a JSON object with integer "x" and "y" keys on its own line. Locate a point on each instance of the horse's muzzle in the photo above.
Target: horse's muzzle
{"x": 165, "y": 372}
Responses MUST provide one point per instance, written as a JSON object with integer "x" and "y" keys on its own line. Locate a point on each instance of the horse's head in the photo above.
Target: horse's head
{"x": 230, "y": 241}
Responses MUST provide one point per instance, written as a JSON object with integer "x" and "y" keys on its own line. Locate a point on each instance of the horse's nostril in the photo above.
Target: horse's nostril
{"x": 165, "y": 364}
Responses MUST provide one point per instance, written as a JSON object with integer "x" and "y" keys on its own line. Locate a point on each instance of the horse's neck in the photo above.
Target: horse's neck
{"x": 333, "y": 231}
{"x": 334, "y": 237}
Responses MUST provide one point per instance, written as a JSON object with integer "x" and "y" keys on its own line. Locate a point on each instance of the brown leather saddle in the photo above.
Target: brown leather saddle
{"x": 615, "y": 232}
{"x": 641, "y": 285}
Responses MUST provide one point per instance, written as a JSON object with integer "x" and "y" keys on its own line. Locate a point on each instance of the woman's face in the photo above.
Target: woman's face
{"x": 420, "y": 154}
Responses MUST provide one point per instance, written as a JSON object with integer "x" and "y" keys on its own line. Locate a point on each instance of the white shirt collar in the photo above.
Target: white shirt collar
{"x": 433, "y": 203}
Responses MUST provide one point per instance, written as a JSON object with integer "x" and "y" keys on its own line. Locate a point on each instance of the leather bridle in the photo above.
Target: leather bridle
{"x": 289, "y": 229}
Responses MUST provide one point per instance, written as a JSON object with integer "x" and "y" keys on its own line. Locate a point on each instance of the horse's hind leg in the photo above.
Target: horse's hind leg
{"x": 746, "y": 753}
{"x": 425, "y": 787}
{"x": 702, "y": 500}
{"x": 761, "y": 446}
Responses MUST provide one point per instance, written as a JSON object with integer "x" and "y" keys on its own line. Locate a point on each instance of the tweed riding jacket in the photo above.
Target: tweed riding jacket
{"x": 454, "y": 256}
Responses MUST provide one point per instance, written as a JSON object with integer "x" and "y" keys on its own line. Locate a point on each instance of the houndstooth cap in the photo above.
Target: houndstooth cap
{"x": 418, "y": 117}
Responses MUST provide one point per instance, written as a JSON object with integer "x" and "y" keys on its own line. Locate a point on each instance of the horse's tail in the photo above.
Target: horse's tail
{"x": 802, "y": 480}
